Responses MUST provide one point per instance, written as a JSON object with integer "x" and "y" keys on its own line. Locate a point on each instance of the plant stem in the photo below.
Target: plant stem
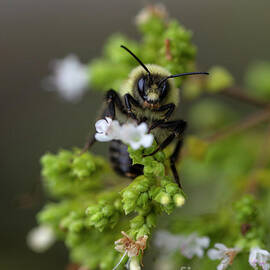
{"x": 239, "y": 94}
{"x": 249, "y": 122}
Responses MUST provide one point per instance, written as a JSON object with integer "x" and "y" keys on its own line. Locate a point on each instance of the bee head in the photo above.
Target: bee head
{"x": 150, "y": 89}
{"x": 151, "y": 84}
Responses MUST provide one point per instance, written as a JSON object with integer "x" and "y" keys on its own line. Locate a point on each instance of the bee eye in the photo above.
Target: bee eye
{"x": 141, "y": 84}
{"x": 164, "y": 89}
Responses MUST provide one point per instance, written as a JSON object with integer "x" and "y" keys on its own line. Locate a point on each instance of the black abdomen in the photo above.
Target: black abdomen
{"x": 121, "y": 162}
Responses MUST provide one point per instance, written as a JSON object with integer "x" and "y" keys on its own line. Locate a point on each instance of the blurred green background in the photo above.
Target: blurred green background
{"x": 33, "y": 121}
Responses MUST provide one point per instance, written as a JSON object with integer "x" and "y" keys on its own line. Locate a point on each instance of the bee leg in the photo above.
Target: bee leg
{"x": 167, "y": 107}
{"x": 163, "y": 145}
{"x": 90, "y": 141}
{"x": 173, "y": 159}
{"x": 177, "y": 128}
{"x": 129, "y": 100}
{"x": 112, "y": 99}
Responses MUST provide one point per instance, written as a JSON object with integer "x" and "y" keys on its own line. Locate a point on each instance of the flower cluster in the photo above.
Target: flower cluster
{"x": 188, "y": 245}
{"x": 106, "y": 213}
{"x": 130, "y": 133}
{"x": 192, "y": 245}
{"x": 74, "y": 168}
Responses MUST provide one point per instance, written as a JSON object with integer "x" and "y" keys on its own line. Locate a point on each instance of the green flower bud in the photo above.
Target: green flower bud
{"x": 151, "y": 221}
{"x": 101, "y": 224}
{"x": 129, "y": 206}
{"x": 91, "y": 210}
{"x": 144, "y": 230}
{"x": 118, "y": 204}
{"x": 108, "y": 210}
{"x": 154, "y": 191}
{"x": 137, "y": 222}
{"x": 130, "y": 194}
{"x": 144, "y": 210}
{"x": 142, "y": 186}
{"x": 179, "y": 200}
{"x": 172, "y": 188}
{"x": 163, "y": 198}
{"x": 114, "y": 219}
{"x": 143, "y": 199}
{"x": 96, "y": 217}
{"x": 159, "y": 169}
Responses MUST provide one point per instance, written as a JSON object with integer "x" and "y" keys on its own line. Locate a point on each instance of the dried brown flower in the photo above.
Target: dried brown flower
{"x": 132, "y": 247}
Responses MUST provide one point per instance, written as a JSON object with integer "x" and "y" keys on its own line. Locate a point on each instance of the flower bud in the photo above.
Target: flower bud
{"x": 179, "y": 200}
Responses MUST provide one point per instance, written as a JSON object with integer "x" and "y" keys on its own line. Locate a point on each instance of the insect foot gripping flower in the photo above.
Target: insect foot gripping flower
{"x": 41, "y": 238}
{"x": 221, "y": 252}
{"x": 136, "y": 136}
{"x": 192, "y": 245}
{"x": 70, "y": 78}
{"x": 107, "y": 130}
{"x": 259, "y": 257}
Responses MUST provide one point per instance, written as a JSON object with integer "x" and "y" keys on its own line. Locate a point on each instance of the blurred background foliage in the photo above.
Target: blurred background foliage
{"x": 231, "y": 34}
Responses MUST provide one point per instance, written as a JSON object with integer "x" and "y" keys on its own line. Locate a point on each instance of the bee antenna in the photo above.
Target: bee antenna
{"x": 182, "y": 74}
{"x": 138, "y": 60}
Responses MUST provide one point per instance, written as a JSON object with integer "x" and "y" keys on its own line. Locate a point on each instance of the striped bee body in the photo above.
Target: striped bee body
{"x": 121, "y": 161}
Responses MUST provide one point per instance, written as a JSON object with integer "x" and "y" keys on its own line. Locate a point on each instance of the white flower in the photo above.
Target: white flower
{"x": 189, "y": 246}
{"x": 129, "y": 133}
{"x": 70, "y": 78}
{"x": 136, "y": 136}
{"x": 221, "y": 252}
{"x": 259, "y": 257}
{"x": 192, "y": 245}
{"x": 41, "y": 238}
{"x": 107, "y": 130}
{"x": 167, "y": 241}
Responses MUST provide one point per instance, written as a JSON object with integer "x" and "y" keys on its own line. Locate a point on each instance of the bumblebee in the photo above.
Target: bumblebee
{"x": 149, "y": 95}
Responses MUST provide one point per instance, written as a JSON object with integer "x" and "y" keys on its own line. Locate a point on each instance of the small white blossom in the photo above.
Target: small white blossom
{"x": 167, "y": 241}
{"x": 136, "y": 136}
{"x": 192, "y": 245}
{"x": 107, "y": 130}
{"x": 41, "y": 238}
{"x": 259, "y": 257}
{"x": 70, "y": 78}
{"x": 221, "y": 252}
{"x": 189, "y": 245}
